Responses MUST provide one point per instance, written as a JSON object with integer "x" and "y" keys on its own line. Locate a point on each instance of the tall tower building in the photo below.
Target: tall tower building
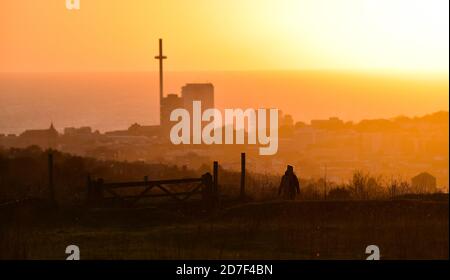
{"x": 189, "y": 93}
{"x": 198, "y": 92}
{"x": 168, "y": 104}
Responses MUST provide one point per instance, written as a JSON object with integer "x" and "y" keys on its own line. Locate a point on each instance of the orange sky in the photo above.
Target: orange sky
{"x": 399, "y": 50}
{"x": 121, "y": 35}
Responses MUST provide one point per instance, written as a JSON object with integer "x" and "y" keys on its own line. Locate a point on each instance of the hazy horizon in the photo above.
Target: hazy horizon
{"x": 115, "y": 100}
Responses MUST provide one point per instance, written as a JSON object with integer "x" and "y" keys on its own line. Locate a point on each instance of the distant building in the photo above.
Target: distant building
{"x": 168, "y": 104}
{"x": 198, "y": 92}
{"x": 73, "y": 131}
{"x": 331, "y": 123}
{"x": 137, "y": 130}
{"x": 424, "y": 183}
{"x": 46, "y": 138}
{"x": 189, "y": 94}
{"x": 285, "y": 125}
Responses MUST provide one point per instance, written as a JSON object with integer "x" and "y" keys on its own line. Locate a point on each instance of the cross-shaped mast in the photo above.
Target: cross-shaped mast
{"x": 160, "y": 57}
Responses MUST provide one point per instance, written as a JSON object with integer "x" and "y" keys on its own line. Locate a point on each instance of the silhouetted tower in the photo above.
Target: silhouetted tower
{"x": 160, "y": 57}
{"x": 198, "y": 92}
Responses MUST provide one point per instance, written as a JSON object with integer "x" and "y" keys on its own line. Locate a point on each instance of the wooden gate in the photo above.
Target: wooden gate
{"x": 99, "y": 191}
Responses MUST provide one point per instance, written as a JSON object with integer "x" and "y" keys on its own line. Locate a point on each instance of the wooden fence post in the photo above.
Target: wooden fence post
{"x": 145, "y": 180}
{"x": 100, "y": 188}
{"x": 51, "y": 186}
{"x": 95, "y": 191}
{"x": 90, "y": 190}
{"x": 242, "y": 194}
{"x": 216, "y": 178}
{"x": 208, "y": 187}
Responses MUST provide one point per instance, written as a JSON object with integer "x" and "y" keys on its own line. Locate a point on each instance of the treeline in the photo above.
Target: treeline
{"x": 362, "y": 186}
{"x": 440, "y": 118}
{"x": 365, "y": 186}
{"x": 24, "y": 174}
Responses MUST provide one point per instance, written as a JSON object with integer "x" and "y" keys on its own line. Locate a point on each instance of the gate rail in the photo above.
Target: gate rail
{"x": 98, "y": 191}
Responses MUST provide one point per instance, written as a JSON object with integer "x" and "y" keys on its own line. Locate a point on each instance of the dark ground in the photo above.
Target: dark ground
{"x": 402, "y": 229}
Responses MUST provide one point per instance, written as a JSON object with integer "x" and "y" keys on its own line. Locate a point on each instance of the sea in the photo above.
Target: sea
{"x": 114, "y": 100}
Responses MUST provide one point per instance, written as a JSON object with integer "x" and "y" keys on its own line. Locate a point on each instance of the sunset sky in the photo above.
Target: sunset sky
{"x": 353, "y": 59}
{"x": 121, "y": 35}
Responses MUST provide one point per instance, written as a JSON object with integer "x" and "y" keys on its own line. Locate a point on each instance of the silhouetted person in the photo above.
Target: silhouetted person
{"x": 289, "y": 186}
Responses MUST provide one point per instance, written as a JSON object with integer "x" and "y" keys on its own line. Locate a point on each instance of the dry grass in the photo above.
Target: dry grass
{"x": 271, "y": 230}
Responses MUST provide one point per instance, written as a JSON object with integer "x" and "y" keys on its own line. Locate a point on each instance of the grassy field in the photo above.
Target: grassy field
{"x": 402, "y": 229}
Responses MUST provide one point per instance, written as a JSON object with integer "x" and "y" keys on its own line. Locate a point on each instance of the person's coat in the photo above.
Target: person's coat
{"x": 289, "y": 186}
